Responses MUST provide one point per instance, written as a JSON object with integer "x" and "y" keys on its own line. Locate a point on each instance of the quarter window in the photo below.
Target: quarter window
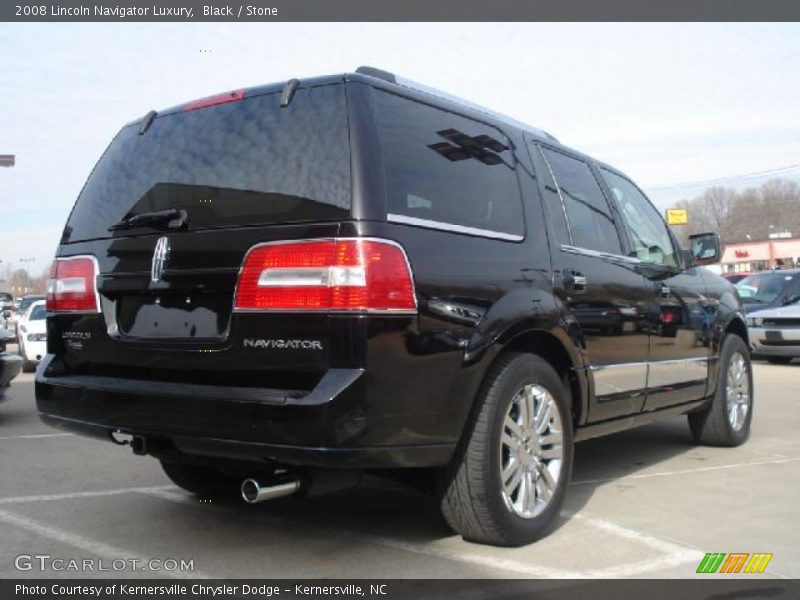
{"x": 591, "y": 224}
{"x": 649, "y": 235}
{"x": 446, "y": 168}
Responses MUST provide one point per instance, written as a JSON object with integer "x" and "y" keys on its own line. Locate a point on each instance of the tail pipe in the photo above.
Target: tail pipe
{"x": 253, "y": 491}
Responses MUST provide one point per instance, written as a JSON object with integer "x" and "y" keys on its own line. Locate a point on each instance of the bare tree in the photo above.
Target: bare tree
{"x": 750, "y": 214}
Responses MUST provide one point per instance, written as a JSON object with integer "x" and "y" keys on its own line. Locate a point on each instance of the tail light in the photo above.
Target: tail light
{"x": 71, "y": 287}
{"x": 223, "y": 98}
{"x": 366, "y": 275}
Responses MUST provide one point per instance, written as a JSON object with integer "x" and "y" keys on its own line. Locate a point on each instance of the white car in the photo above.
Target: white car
{"x": 33, "y": 336}
{"x": 775, "y": 333}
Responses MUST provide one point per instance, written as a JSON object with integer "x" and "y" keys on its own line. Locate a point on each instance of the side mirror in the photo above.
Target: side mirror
{"x": 706, "y": 248}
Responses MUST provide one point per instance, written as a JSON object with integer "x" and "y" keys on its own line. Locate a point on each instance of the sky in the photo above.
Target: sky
{"x": 669, "y": 104}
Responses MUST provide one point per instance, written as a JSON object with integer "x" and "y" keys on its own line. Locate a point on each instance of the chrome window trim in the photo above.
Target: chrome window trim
{"x": 453, "y": 228}
{"x": 602, "y": 255}
{"x": 558, "y": 191}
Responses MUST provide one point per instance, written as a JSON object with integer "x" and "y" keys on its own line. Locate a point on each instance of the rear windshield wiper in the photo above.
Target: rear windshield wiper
{"x": 174, "y": 218}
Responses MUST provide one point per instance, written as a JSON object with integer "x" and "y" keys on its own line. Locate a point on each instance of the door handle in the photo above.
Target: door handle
{"x": 663, "y": 290}
{"x": 575, "y": 282}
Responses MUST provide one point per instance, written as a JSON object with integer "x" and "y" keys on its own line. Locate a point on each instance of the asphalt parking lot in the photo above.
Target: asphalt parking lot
{"x": 644, "y": 503}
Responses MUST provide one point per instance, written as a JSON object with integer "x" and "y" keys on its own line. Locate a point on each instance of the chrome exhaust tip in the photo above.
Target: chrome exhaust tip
{"x": 254, "y": 492}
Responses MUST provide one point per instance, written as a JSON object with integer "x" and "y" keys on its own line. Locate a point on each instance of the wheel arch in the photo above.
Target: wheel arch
{"x": 555, "y": 349}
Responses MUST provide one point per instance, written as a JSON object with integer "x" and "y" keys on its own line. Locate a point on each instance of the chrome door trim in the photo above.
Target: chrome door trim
{"x": 676, "y": 371}
{"x": 452, "y": 227}
{"x": 618, "y": 378}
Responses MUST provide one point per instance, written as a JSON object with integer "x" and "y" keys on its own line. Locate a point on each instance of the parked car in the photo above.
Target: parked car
{"x": 6, "y": 337}
{"x": 769, "y": 289}
{"x": 24, "y": 304}
{"x": 6, "y": 301}
{"x": 295, "y": 283}
{"x": 33, "y": 336}
{"x": 775, "y": 333}
{"x": 9, "y": 368}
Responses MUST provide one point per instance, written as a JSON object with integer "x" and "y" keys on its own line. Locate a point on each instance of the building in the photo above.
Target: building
{"x": 744, "y": 257}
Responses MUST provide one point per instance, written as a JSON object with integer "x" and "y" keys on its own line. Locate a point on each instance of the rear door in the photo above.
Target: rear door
{"x": 244, "y": 170}
{"x": 604, "y": 298}
{"x": 679, "y": 316}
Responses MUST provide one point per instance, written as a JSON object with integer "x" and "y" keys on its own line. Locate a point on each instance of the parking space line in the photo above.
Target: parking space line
{"x": 755, "y": 463}
{"x": 100, "y": 549}
{"x": 672, "y": 554}
{"x": 510, "y": 565}
{"x": 72, "y": 495}
{"x": 34, "y": 436}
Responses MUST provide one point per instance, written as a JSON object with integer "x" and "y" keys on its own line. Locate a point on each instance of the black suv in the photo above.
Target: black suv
{"x": 276, "y": 289}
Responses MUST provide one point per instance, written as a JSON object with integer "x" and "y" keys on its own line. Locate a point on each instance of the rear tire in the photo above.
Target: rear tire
{"x": 498, "y": 451}
{"x": 203, "y": 482}
{"x": 726, "y": 420}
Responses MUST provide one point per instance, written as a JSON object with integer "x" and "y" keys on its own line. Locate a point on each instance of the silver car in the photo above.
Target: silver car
{"x": 775, "y": 333}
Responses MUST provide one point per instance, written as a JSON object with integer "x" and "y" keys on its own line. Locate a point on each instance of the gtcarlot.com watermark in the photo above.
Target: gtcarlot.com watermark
{"x": 47, "y": 562}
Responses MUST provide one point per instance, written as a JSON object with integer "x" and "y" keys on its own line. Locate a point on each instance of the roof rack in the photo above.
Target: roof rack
{"x": 419, "y": 87}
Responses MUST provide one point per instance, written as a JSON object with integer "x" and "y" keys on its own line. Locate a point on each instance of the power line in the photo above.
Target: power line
{"x": 710, "y": 182}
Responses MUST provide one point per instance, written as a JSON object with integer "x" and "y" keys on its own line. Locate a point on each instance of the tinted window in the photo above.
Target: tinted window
{"x": 648, "y": 232}
{"x": 447, "y": 168}
{"x": 239, "y": 163}
{"x": 554, "y": 205}
{"x": 590, "y": 222}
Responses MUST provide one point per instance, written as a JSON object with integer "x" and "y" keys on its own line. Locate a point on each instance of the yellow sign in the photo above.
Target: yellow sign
{"x": 677, "y": 216}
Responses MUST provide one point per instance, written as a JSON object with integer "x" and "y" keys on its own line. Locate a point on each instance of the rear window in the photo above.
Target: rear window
{"x": 240, "y": 163}
{"x": 446, "y": 169}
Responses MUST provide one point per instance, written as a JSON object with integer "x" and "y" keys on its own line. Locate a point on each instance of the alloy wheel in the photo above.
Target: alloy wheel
{"x": 531, "y": 451}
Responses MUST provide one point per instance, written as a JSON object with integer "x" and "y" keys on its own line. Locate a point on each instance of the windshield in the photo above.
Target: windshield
{"x": 38, "y": 313}
{"x": 767, "y": 288}
{"x": 248, "y": 162}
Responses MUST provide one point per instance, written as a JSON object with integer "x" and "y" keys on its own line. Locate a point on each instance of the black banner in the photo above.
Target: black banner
{"x": 401, "y": 10}
{"x": 184, "y": 589}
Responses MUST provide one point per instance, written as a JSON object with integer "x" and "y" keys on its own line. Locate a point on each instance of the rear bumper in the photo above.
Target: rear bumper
{"x": 372, "y": 457}
{"x": 341, "y": 422}
{"x": 35, "y": 351}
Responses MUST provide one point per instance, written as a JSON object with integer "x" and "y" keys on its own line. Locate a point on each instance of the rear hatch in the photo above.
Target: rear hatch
{"x": 170, "y": 212}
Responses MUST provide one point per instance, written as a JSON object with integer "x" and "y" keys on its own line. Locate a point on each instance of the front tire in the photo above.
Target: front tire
{"x": 508, "y": 479}
{"x": 726, "y": 421}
